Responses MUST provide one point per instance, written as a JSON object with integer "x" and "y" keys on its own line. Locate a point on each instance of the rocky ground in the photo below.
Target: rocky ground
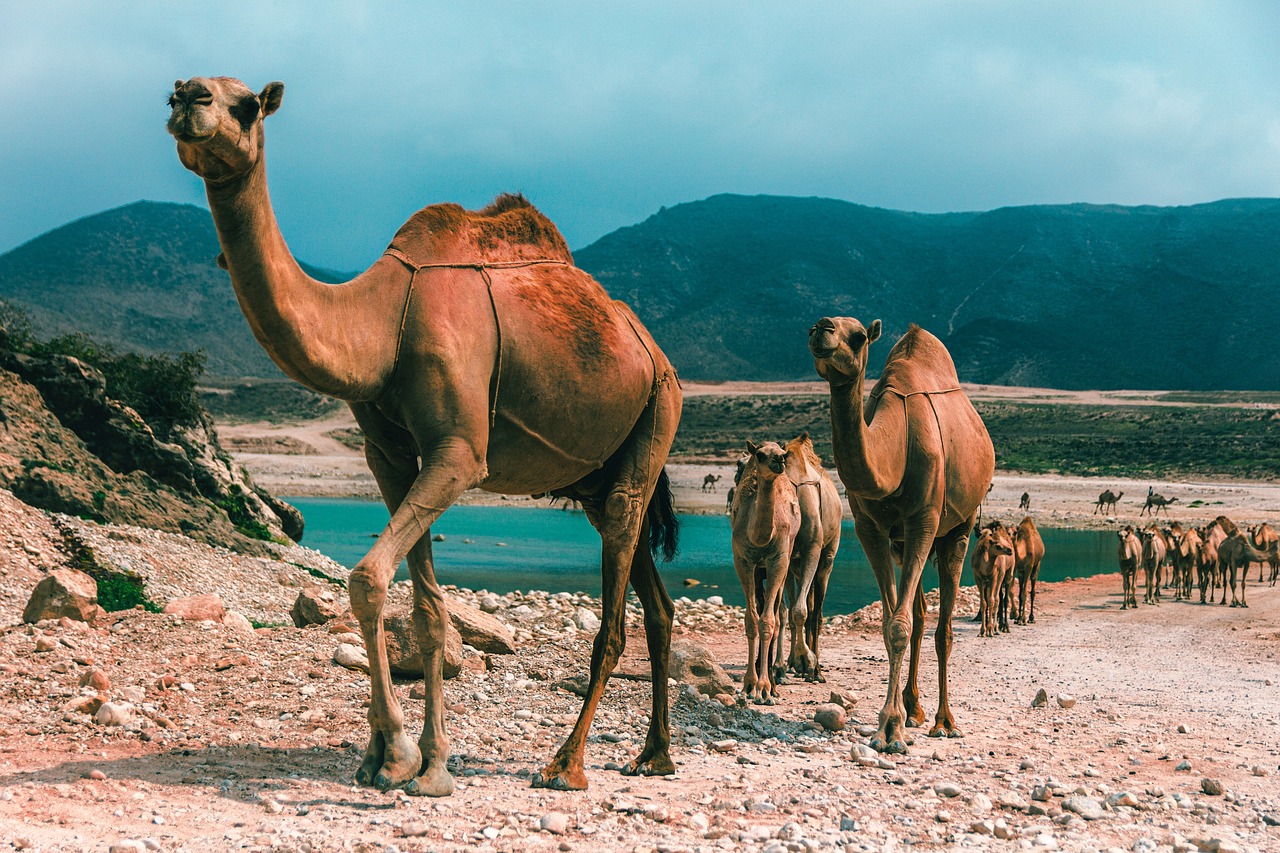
{"x": 1161, "y": 731}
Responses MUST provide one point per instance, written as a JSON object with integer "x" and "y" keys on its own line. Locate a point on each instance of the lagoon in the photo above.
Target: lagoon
{"x": 508, "y": 548}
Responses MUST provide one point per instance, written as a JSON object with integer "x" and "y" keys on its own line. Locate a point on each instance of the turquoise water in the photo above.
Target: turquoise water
{"x": 527, "y": 548}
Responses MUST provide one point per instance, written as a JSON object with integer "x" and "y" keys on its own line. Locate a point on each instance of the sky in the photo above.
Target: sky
{"x": 604, "y": 112}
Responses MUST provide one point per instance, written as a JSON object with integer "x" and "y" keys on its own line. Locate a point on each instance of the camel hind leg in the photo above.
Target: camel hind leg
{"x": 655, "y": 758}
{"x": 813, "y": 625}
{"x": 950, "y": 551}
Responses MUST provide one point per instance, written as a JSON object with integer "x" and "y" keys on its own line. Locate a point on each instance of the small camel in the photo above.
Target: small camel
{"x": 916, "y": 463}
{"x": 992, "y": 564}
{"x": 1154, "y": 548}
{"x": 1261, "y": 536}
{"x": 709, "y": 482}
{"x": 1155, "y": 503}
{"x": 1130, "y": 555}
{"x": 812, "y": 556}
{"x": 1028, "y": 552}
{"x": 765, "y": 520}
{"x": 1107, "y": 499}
{"x": 473, "y": 353}
{"x": 1024, "y": 504}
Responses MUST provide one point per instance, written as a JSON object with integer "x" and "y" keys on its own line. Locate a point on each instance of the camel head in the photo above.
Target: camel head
{"x": 770, "y": 459}
{"x": 217, "y": 122}
{"x": 839, "y": 346}
{"x": 996, "y": 540}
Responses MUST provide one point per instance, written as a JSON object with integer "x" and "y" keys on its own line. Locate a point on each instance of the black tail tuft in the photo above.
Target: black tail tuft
{"x": 664, "y": 526}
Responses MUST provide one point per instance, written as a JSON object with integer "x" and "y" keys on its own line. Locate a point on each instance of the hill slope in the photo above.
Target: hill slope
{"x": 1074, "y": 296}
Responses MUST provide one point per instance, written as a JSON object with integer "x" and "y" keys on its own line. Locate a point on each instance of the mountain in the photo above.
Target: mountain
{"x": 1071, "y": 296}
{"x": 1067, "y": 296}
{"x": 141, "y": 277}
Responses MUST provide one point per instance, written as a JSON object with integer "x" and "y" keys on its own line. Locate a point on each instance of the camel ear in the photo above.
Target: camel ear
{"x": 751, "y": 447}
{"x": 271, "y": 96}
{"x": 799, "y": 471}
{"x": 177, "y": 84}
{"x": 873, "y": 332}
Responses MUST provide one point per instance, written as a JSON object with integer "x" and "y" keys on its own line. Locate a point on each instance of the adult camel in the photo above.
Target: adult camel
{"x": 812, "y": 555}
{"x": 1185, "y": 548}
{"x": 1261, "y": 536}
{"x": 992, "y": 563}
{"x": 1154, "y": 549}
{"x": 916, "y": 463}
{"x": 709, "y": 482}
{"x": 1235, "y": 554}
{"x": 1217, "y": 533}
{"x": 1107, "y": 498}
{"x": 1028, "y": 552}
{"x": 1129, "y": 552}
{"x": 1155, "y": 503}
{"x": 473, "y": 354}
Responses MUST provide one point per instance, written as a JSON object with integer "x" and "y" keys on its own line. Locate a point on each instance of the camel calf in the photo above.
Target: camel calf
{"x": 1130, "y": 554}
{"x": 1028, "y": 551}
{"x": 992, "y": 564}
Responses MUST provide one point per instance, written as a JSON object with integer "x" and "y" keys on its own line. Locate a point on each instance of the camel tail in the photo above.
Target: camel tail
{"x": 664, "y": 526}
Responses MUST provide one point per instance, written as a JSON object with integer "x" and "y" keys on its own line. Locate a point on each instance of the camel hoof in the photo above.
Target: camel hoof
{"x": 916, "y": 720}
{"x": 896, "y": 747}
{"x": 567, "y": 780}
{"x": 658, "y": 765}
{"x": 945, "y": 731}
{"x": 433, "y": 783}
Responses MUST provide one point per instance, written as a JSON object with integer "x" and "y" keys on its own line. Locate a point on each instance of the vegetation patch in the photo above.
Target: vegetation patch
{"x": 116, "y": 590}
{"x": 236, "y": 506}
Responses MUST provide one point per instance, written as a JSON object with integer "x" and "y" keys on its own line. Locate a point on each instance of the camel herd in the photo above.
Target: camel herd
{"x": 1001, "y": 554}
{"x": 1215, "y": 556}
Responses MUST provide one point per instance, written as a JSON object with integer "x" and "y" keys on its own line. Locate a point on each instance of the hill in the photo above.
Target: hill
{"x": 141, "y": 277}
{"x": 1073, "y": 296}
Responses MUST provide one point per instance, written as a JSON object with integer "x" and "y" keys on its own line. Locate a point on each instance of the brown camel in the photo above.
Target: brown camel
{"x": 992, "y": 564}
{"x": 812, "y": 555}
{"x": 709, "y": 482}
{"x": 1028, "y": 552}
{"x": 765, "y": 519}
{"x": 1211, "y": 536}
{"x": 1130, "y": 555}
{"x": 1261, "y": 536}
{"x": 1024, "y": 503}
{"x": 1215, "y": 535}
{"x": 1185, "y": 548}
{"x": 1155, "y": 503}
{"x": 473, "y": 354}
{"x": 1107, "y": 498}
{"x": 1235, "y": 554}
{"x": 916, "y": 464}
{"x": 1154, "y": 549}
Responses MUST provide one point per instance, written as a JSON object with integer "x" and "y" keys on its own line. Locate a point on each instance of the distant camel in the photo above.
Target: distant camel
{"x": 1130, "y": 555}
{"x": 1154, "y": 548}
{"x": 1107, "y": 499}
{"x": 709, "y": 482}
{"x": 1261, "y": 537}
{"x": 1155, "y": 503}
{"x": 1212, "y": 574}
{"x": 992, "y": 563}
{"x": 1185, "y": 548}
{"x": 1024, "y": 505}
{"x": 1028, "y": 551}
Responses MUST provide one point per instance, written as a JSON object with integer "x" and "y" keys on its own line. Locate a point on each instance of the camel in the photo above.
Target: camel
{"x": 1234, "y": 555}
{"x": 1130, "y": 555}
{"x": 473, "y": 354}
{"x": 1185, "y": 548}
{"x": 1213, "y": 535}
{"x": 992, "y": 564}
{"x": 1154, "y": 548}
{"x": 709, "y": 482}
{"x": 1261, "y": 536}
{"x": 812, "y": 556}
{"x": 1155, "y": 503}
{"x": 916, "y": 464}
{"x": 765, "y": 519}
{"x": 1024, "y": 504}
{"x": 1107, "y": 498}
{"x": 1028, "y": 551}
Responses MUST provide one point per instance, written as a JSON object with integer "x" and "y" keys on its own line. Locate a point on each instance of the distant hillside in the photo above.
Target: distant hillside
{"x": 1073, "y": 296}
{"x": 142, "y": 277}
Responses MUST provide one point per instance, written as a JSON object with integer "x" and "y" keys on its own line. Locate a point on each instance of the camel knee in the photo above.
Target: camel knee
{"x": 899, "y": 634}
{"x": 367, "y": 592}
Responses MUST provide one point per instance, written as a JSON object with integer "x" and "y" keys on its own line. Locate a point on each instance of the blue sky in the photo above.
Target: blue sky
{"x": 603, "y": 112}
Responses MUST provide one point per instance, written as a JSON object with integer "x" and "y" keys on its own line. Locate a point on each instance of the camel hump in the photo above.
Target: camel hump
{"x": 919, "y": 362}
{"x": 508, "y": 229}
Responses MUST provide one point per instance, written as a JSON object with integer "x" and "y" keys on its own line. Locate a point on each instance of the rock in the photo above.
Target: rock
{"x": 439, "y": 537}
{"x": 481, "y": 630}
{"x": 982, "y": 827}
{"x": 693, "y": 664}
{"x": 490, "y": 603}
{"x": 415, "y": 828}
{"x": 1122, "y": 798}
{"x": 715, "y": 600}
{"x": 63, "y": 592}
{"x": 315, "y": 606}
{"x": 97, "y": 679}
{"x": 404, "y": 654}
{"x": 129, "y": 845}
{"x": 1026, "y": 764}
{"x": 727, "y": 745}
{"x": 1087, "y": 807}
{"x": 1066, "y": 700}
{"x": 692, "y": 582}
{"x": 46, "y": 644}
{"x": 831, "y": 717}
{"x": 843, "y": 698}
{"x": 1212, "y": 787}
{"x": 1041, "y": 700}
{"x": 557, "y": 823}
{"x": 197, "y": 608}
{"x": 352, "y": 657}
{"x": 238, "y": 623}
{"x": 114, "y": 714}
{"x": 1183, "y": 765}
{"x": 585, "y": 620}
{"x": 1040, "y": 793}
{"x": 1217, "y": 845}
{"x": 946, "y": 789}
{"x": 1183, "y": 729}
{"x": 979, "y": 804}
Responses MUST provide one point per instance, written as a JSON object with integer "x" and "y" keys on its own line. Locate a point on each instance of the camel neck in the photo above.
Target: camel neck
{"x": 870, "y": 458}
{"x": 312, "y": 331}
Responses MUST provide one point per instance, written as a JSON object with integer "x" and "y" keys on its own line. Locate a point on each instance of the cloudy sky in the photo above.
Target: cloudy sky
{"x": 602, "y": 112}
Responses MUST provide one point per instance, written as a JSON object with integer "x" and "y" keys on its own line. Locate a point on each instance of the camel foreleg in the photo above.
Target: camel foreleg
{"x": 655, "y": 758}
{"x": 950, "y": 551}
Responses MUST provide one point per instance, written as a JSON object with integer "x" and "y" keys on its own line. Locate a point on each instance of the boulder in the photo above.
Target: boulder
{"x": 316, "y": 605}
{"x": 64, "y": 592}
{"x": 481, "y": 630}
{"x": 197, "y": 608}
{"x": 831, "y": 717}
{"x": 404, "y": 654}
{"x": 694, "y": 665}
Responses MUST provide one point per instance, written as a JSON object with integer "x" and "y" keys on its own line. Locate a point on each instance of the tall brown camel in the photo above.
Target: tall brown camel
{"x": 991, "y": 563}
{"x": 1130, "y": 555}
{"x": 1211, "y": 536}
{"x": 1185, "y": 548}
{"x": 1028, "y": 552}
{"x": 473, "y": 354}
{"x": 1235, "y": 554}
{"x": 1261, "y": 536}
{"x": 1216, "y": 533}
{"x": 1154, "y": 549}
{"x": 709, "y": 482}
{"x": 765, "y": 519}
{"x": 812, "y": 556}
{"x": 916, "y": 462}
{"x": 1155, "y": 503}
{"x": 1107, "y": 498}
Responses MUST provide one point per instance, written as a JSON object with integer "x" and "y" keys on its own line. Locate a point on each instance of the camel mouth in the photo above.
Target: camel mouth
{"x": 820, "y": 351}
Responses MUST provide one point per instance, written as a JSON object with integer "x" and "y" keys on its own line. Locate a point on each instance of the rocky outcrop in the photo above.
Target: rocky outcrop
{"x": 64, "y": 592}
